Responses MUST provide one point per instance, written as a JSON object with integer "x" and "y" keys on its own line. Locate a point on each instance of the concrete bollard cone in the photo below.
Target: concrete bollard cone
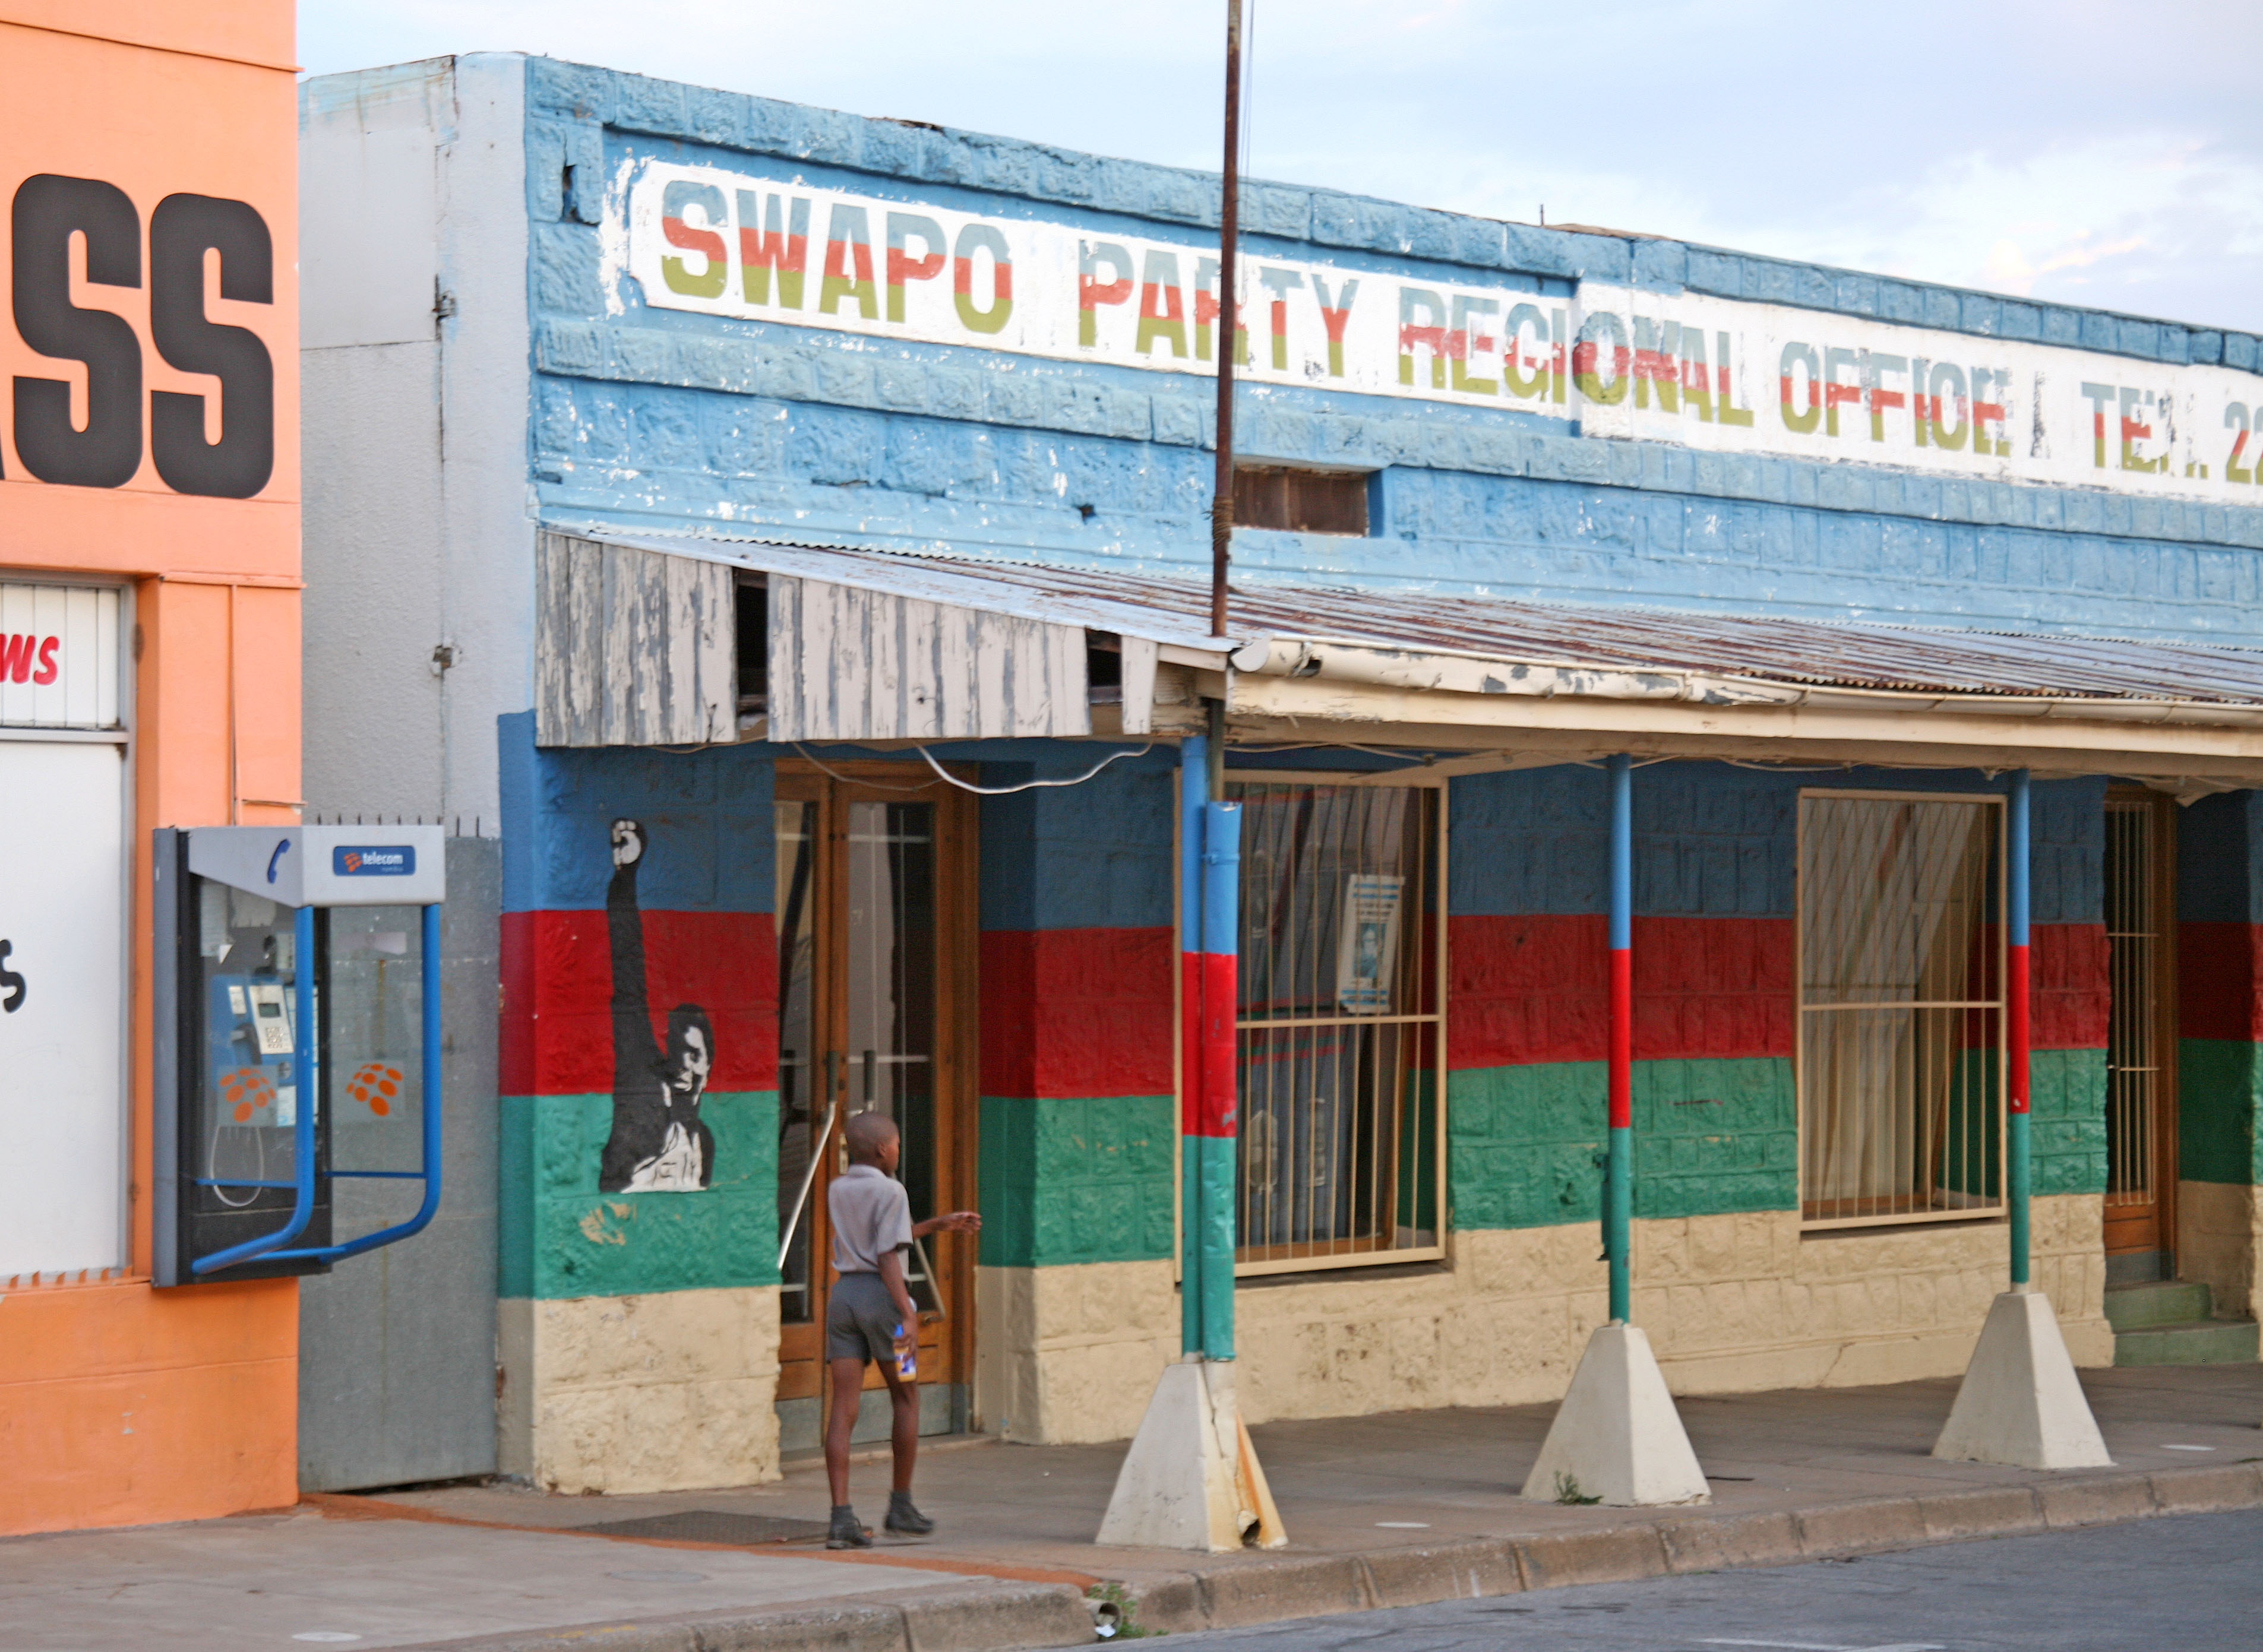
{"x": 1617, "y": 1436}
{"x": 1191, "y": 1479}
{"x": 2020, "y": 1404}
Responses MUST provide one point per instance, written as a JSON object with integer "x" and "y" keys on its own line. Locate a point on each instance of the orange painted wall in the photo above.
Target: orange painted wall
{"x": 120, "y": 1404}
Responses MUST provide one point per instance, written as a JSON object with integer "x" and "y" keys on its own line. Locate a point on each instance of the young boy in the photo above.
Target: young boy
{"x": 868, "y": 1315}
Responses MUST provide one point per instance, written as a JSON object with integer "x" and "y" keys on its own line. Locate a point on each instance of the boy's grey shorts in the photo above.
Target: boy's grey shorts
{"x": 861, "y": 1320}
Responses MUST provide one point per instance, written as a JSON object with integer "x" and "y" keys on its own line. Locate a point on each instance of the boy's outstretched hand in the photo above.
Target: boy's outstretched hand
{"x": 956, "y": 1222}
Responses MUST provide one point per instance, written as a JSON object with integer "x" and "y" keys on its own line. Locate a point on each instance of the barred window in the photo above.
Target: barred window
{"x": 1340, "y": 1029}
{"x": 1901, "y": 1007}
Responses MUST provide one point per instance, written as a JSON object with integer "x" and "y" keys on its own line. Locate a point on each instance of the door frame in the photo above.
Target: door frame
{"x": 949, "y": 1343}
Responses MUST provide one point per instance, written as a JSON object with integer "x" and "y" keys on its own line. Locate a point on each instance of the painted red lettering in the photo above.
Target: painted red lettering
{"x": 48, "y": 670}
{"x": 16, "y": 652}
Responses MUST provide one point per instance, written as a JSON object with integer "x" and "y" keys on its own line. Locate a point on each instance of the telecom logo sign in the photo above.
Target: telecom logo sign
{"x": 398, "y": 860}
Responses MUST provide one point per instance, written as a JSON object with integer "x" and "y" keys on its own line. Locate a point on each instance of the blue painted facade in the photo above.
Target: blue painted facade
{"x": 650, "y": 422}
{"x": 654, "y": 417}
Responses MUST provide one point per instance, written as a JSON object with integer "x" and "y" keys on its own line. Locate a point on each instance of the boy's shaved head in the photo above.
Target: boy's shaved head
{"x": 868, "y": 1133}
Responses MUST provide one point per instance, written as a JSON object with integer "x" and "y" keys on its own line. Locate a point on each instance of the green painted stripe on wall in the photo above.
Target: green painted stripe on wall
{"x": 2219, "y": 1084}
{"x": 560, "y": 1237}
{"x": 2066, "y": 1109}
{"x": 1081, "y": 1180}
{"x": 1524, "y": 1144}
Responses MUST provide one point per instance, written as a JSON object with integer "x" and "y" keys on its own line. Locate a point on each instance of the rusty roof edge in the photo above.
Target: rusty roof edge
{"x": 967, "y": 581}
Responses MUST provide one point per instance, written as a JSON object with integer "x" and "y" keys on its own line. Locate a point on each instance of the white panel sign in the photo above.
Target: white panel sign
{"x": 63, "y": 994}
{"x": 1734, "y": 376}
{"x": 1714, "y": 373}
{"x": 59, "y": 656}
{"x": 700, "y": 239}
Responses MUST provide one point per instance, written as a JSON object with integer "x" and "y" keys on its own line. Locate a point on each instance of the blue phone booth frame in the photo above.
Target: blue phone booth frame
{"x": 262, "y": 860}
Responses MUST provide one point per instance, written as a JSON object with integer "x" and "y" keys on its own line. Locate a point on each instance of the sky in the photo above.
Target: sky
{"x": 2088, "y": 152}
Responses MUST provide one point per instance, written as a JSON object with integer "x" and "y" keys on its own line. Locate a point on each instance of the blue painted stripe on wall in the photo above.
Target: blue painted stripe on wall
{"x": 1094, "y": 856}
{"x": 2218, "y": 859}
{"x": 1716, "y": 841}
{"x": 707, "y": 815}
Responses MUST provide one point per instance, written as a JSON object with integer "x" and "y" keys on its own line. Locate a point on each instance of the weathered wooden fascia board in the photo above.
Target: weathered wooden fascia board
{"x": 632, "y": 647}
{"x": 961, "y": 587}
{"x": 852, "y": 663}
{"x": 1388, "y": 713}
{"x": 1444, "y": 672}
{"x": 1488, "y": 750}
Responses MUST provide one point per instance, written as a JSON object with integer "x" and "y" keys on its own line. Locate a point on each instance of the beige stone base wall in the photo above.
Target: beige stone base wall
{"x": 2219, "y": 1236}
{"x": 1733, "y": 1304}
{"x": 656, "y": 1393}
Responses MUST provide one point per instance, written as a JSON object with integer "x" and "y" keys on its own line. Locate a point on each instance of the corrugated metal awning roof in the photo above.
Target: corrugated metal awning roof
{"x": 1591, "y": 642}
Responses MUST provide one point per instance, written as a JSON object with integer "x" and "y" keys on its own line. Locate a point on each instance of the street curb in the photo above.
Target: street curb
{"x": 1267, "y": 1591}
{"x": 996, "y": 1615}
{"x": 976, "y": 1616}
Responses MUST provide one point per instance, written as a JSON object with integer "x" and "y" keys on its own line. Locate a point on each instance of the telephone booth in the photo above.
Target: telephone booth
{"x": 298, "y": 1041}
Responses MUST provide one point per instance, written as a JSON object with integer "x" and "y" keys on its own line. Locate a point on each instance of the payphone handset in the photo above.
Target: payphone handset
{"x": 302, "y": 1042}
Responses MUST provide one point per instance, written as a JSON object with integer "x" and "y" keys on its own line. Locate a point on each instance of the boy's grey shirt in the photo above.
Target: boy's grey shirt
{"x": 872, "y": 1216}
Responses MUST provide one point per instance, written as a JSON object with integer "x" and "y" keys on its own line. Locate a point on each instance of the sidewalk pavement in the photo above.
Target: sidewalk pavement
{"x": 1381, "y": 1511}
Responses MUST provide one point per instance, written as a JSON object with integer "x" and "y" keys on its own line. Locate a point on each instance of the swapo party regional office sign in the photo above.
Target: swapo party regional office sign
{"x": 1720, "y": 374}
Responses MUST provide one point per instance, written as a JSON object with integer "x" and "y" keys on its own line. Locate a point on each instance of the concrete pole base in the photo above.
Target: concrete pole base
{"x": 1191, "y": 1479}
{"x": 1617, "y": 1436}
{"x": 2019, "y": 1404}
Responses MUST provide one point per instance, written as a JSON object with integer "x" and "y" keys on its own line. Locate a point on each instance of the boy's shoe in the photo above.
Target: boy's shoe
{"x": 902, "y": 1517}
{"x": 846, "y": 1533}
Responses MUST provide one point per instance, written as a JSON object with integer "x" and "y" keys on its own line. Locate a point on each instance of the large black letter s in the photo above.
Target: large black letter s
{"x": 239, "y": 463}
{"x": 48, "y": 210}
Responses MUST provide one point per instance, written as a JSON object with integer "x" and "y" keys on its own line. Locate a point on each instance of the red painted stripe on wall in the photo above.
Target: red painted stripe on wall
{"x": 2219, "y": 981}
{"x": 2072, "y": 990}
{"x": 557, "y": 1036}
{"x": 1077, "y": 1013}
{"x": 1536, "y": 988}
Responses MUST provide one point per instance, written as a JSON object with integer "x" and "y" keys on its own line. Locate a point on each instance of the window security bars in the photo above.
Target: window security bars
{"x": 1340, "y": 1031}
{"x": 2136, "y": 1042}
{"x": 1901, "y": 1059}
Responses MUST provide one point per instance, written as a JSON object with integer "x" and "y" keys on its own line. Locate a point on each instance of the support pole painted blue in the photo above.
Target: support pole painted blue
{"x": 1618, "y": 1174}
{"x": 2016, "y": 1031}
{"x": 1194, "y": 793}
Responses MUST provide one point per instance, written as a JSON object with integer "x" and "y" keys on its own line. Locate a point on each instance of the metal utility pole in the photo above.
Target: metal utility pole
{"x": 1221, "y": 507}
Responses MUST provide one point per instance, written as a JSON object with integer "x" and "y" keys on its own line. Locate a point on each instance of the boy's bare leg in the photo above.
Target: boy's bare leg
{"x": 904, "y": 1437}
{"x": 841, "y": 1422}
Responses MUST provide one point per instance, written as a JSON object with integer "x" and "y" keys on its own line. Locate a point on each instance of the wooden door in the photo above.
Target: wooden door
{"x": 2141, "y": 1153}
{"x": 876, "y": 966}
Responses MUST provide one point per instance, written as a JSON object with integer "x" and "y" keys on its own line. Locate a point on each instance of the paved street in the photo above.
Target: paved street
{"x": 2188, "y": 1582}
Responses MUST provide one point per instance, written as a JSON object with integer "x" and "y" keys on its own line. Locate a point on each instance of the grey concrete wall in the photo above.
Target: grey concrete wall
{"x": 418, "y": 531}
{"x": 396, "y": 1347}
